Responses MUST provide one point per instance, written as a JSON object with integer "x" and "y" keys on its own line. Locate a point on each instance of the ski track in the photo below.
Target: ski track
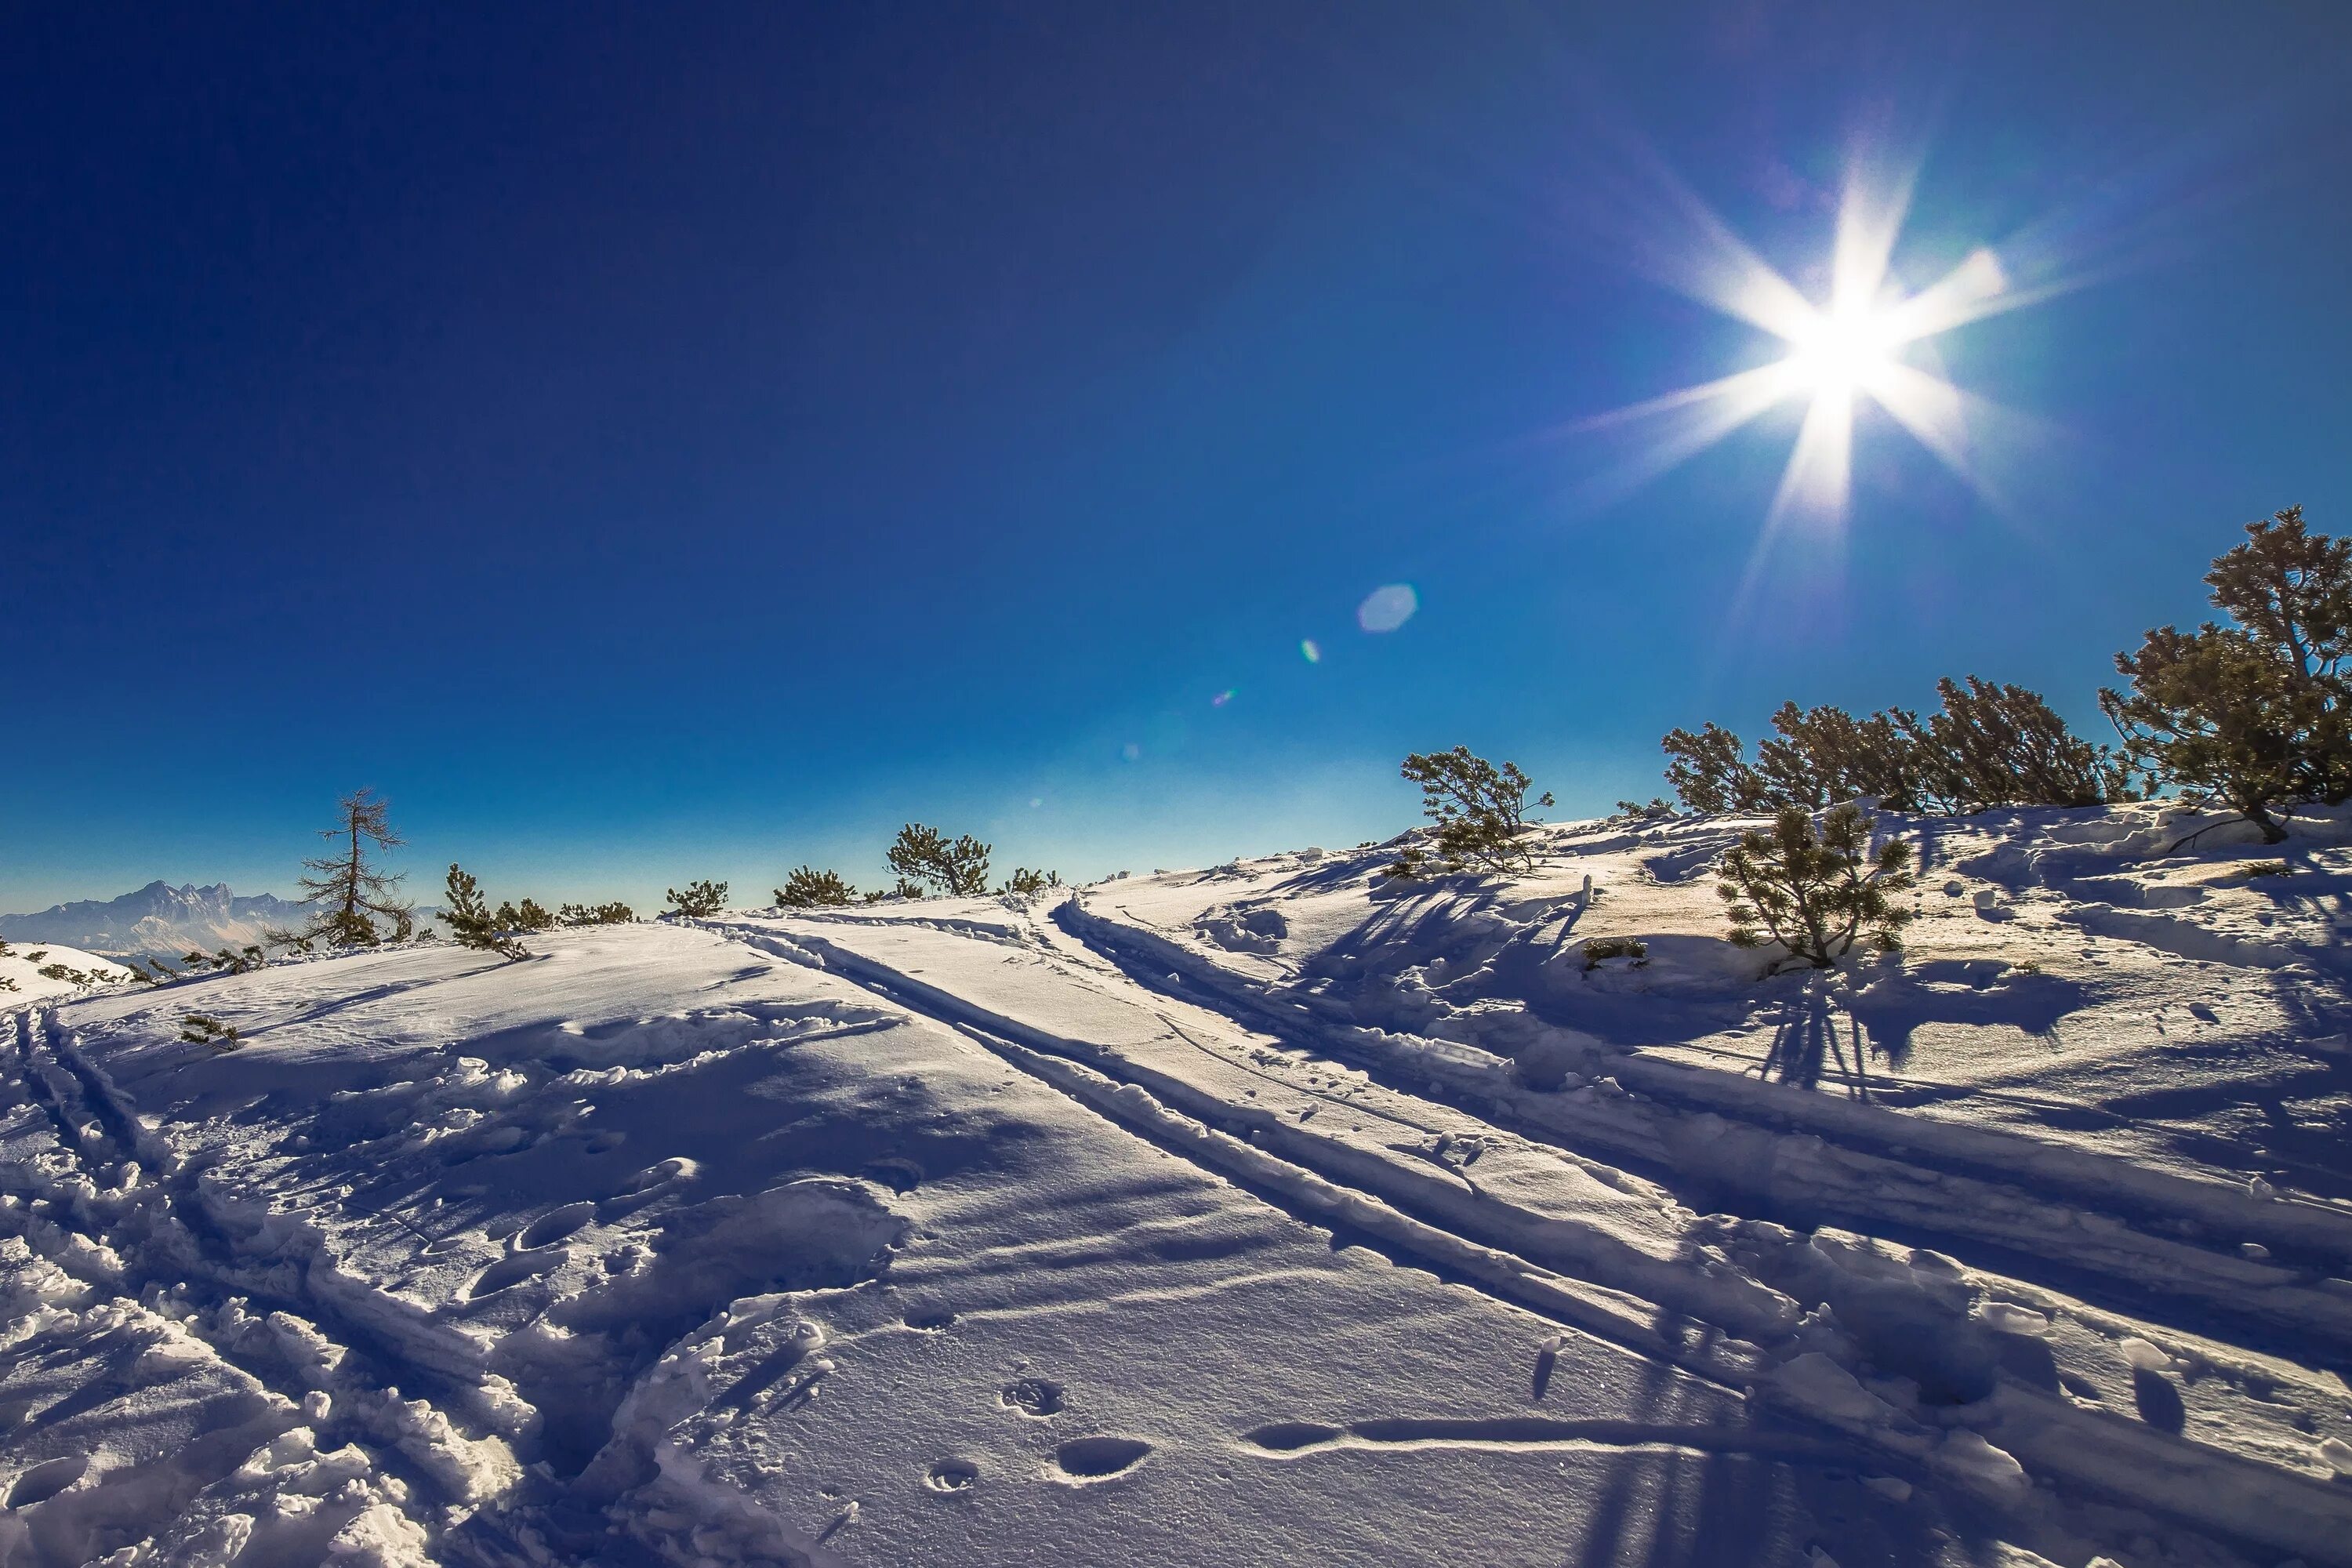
{"x": 1927, "y": 1178}
{"x": 1664, "y": 1313}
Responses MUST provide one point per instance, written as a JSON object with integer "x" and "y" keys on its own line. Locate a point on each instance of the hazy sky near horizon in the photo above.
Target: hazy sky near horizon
{"x": 659, "y": 442}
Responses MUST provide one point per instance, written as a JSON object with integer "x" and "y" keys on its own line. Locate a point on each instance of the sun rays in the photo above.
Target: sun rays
{"x": 1864, "y": 342}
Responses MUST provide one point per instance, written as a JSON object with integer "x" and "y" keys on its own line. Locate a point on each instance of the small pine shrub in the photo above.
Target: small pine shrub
{"x": 1816, "y": 892}
{"x": 471, "y": 924}
{"x": 956, "y": 868}
{"x": 529, "y": 916}
{"x": 612, "y": 914}
{"x": 1991, "y": 745}
{"x": 1710, "y": 774}
{"x": 1480, "y": 811}
{"x": 808, "y": 887}
{"x": 2257, "y": 713}
{"x": 1024, "y": 882}
{"x": 700, "y": 900}
{"x": 201, "y": 1029}
{"x": 1606, "y": 947}
{"x": 1822, "y": 755}
{"x": 1997, "y": 745}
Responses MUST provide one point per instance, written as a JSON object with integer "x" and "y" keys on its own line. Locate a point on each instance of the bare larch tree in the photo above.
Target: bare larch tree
{"x": 348, "y": 892}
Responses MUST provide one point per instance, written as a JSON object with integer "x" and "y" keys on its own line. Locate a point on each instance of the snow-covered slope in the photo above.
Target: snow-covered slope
{"x": 1268, "y": 1214}
{"x": 157, "y": 918}
{"x": 22, "y": 979}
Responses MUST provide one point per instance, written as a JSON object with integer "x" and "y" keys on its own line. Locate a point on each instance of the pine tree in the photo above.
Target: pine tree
{"x": 1809, "y": 891}
{"x": 1024, "y": 882}
{"x": 956, "y": 868}
{"x": 808, "y": 887}
{"x": 700, "y": 900}
{"x": 1710, "y": 774}
{"x": 471, "y": 924}
{"x": 2258, "y": 712}
{"x": 614, "y": 913}
{"x": 353, "y": 894}
{"x": 528, "y": 917}
{"x": 1825, "y": 754}
{"x": 1480, "y": 811}
{"x": 2003, "y": 745}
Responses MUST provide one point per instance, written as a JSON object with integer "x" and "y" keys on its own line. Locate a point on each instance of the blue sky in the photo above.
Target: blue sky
{"x": 653, "y": 443}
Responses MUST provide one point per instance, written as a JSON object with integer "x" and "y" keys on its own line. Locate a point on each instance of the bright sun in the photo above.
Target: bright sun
{"x": 1843, "y": 351}
{"x": 1870, "y": 342}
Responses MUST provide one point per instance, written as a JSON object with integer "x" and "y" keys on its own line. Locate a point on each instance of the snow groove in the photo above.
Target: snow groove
{"x": 1759, "y": 1144}
{"x": 1493, "y": 1243}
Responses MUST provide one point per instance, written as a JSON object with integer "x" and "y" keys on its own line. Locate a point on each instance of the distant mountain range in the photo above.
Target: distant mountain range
{"x": 157, "y": 918}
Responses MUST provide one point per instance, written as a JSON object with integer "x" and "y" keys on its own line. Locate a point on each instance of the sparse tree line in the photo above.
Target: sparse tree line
{"x": 926, "y": 863}
{"x": 2253, "y": 714}
{"x": 357, "y": 904}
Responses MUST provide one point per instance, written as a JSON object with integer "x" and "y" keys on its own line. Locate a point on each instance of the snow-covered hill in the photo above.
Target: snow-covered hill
{"x": 1267, "y": 1213}
{"x": 157, "y": 918}
{"x": 69, "y": 972}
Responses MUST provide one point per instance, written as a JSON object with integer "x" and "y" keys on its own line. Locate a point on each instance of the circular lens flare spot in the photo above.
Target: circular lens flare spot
{"x": 1386, "y": 609}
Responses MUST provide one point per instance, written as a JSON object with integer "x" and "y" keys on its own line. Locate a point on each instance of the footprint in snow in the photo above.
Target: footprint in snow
{"x": 952, "y": 1476}
{"x": 1035, "y": 1396}
{"x": 514, "y": 1268}
{"x": 900, "y": 1176}
{"x": 556, "y": 1224}
{"x": 46, "y": 1480}
{"x": 1083, "y": 1460}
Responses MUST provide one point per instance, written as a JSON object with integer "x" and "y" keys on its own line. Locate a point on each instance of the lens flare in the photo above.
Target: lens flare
{"x": 1386, "y": 609}
{"x": 1311, "y": 650}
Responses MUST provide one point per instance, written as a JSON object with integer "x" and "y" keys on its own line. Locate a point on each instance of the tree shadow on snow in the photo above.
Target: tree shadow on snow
{"x": 1809, "y": 1044}
{"x": 1892, "y": 1008}
{"x": 1667, "y": 1506}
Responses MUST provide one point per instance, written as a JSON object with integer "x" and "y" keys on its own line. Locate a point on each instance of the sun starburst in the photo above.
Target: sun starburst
{"x": 1869, "y": 343}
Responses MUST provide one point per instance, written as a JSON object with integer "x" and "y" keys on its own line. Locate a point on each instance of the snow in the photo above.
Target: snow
{"x": 22, "y": 982}
{"x": 1268, "y": 1214}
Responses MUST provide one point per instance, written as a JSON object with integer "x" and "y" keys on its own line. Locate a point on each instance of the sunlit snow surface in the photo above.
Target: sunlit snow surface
{"x": 1270, "y": 1213}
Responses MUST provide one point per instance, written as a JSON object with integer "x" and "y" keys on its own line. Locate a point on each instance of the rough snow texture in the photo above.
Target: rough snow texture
{"x": 1269, "y": 1214}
